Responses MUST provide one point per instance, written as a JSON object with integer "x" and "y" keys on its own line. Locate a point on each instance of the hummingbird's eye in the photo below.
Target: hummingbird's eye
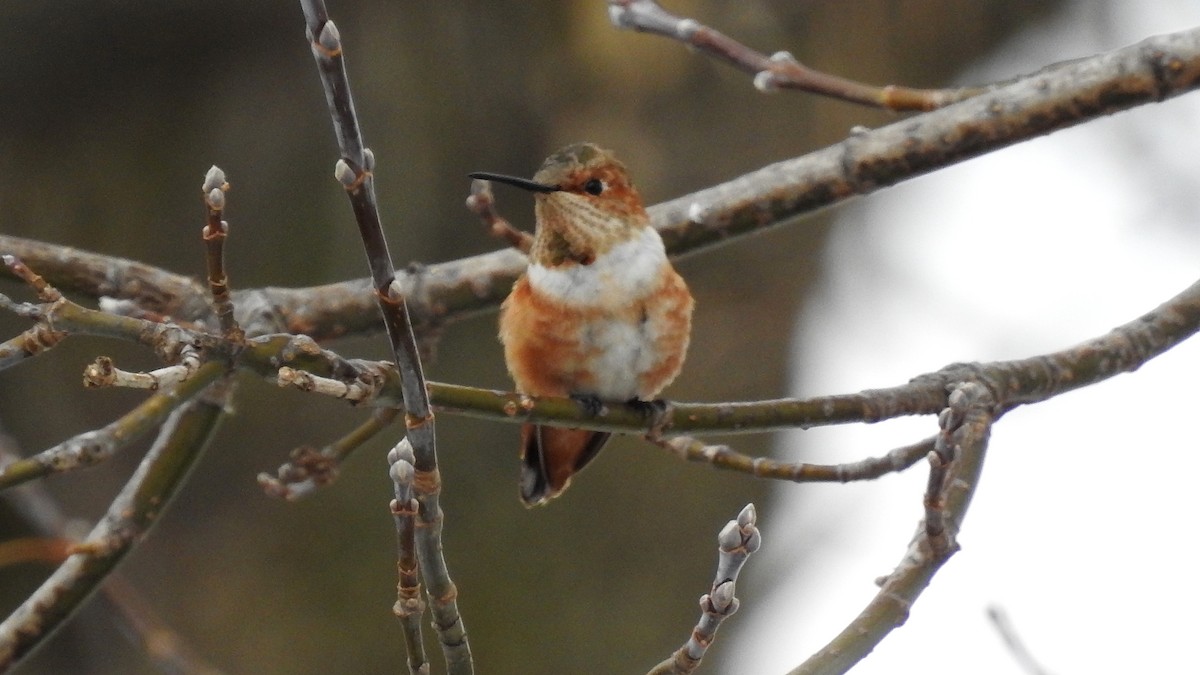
{"x": 594, "y": 186}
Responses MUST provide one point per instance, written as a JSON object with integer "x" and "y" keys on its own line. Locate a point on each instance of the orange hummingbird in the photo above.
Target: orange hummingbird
{"x": 599, "y": 315}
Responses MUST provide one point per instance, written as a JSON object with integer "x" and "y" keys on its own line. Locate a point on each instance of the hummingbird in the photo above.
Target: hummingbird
{"x": 598, "y": 315}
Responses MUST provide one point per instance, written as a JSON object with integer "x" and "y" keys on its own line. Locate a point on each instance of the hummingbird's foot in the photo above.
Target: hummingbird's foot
{"x": 591, "y": 404}
{"x": 656, "y": 412}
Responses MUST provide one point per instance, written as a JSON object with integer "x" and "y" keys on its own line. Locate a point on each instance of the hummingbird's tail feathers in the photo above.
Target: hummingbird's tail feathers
{"x": 550, "y": 456}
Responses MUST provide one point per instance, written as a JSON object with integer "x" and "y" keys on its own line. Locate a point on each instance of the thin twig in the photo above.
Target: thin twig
{"x": 1059, "y": 96}
{"x": 41, "y": 337}
{"x": 179, "y": 444}
{"x": 354, "y": 171}
{"x": 1016, "y": 646}
{"x": 58, "y": 314}
{"x": 725, "y": 457}
{"x": 974, "y": 411}
{"x": 737, "y": 541}
{"x": 482, "y": 203}
{"x": 410, "y": 605}
{"x": 97, "y": 445}
{"x": 97, "y": 275}
{"x": 102, "y": 372}
{"x": 941, "y": 458}
{"x": 40, "y": 512}
{"x": 28, "y": 344}
{"x": 214, "y": 234}
{"x": 778, "y": 71}
{"x": 309, "y": 468}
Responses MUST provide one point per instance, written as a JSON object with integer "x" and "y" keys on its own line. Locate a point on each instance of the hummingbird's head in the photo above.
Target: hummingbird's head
{"x": 585, "y": 204}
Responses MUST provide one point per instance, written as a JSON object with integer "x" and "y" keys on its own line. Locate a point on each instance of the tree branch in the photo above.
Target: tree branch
{"x": 724, "y": 457}
{"x": 92, "y": 447}
{"x": 1059, "y": 96}
{"x": 37, "y": 510}
{"x": 737, "y": 541}
{"x": 354, "y": 170}
{"x": 778, "y": 71}
{"x": 214, "y": 234}
{"x": 967, "y": 425}
{"x": 180, "y": 442}
{"x": 1012, "y": 383}
{"x": 410, "y": 605}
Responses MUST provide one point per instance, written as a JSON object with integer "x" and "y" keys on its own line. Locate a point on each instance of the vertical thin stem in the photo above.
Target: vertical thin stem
{"x": 355, "y": 172}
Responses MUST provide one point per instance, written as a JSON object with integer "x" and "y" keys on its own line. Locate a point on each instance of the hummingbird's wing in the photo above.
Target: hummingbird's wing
{"x": 550, "y": 456}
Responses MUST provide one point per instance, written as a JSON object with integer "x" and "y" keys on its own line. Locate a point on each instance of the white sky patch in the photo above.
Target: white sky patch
{"x": 1083, "y": 527}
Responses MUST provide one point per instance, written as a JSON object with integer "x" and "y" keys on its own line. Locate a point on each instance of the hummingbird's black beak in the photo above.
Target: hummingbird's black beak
{"x": 523, "y": 183}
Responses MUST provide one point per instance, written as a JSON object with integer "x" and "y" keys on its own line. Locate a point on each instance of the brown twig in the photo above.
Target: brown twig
{"x": 780, "y": 70}
{"x": 93, "y": 447}
{"x": 58, "y": 314}
{"x": 482, "y": 203}
{"x": 310, "y": 468}
{"x": 724, "y": 457}
{"x": 737, "y": 541}
{"x": 1059, "y": 96}
{"x": 410, "y": 604}
{"x": 152, "y": 288}
{"x": 354, "y": 171}
{"x": 29, "y": 343}
{"x": 941, "y": 457}
{"x": 33, "y": 505}
{"x": 41, "y": 337}
{"x": 129, "y": 517}
{"x": 215, "y": 232}
{"x": 974, "y": 411}
{"x": 45, "y": 292}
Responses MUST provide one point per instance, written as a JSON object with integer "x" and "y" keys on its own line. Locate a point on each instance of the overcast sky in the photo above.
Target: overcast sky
{"x": 1083, "y": 528}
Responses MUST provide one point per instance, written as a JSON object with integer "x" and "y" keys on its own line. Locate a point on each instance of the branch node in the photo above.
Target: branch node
{"x": 329, "y": 42}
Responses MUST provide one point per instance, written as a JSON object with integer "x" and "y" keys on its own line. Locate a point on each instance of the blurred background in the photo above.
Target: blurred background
{"x": 112, "y": 112}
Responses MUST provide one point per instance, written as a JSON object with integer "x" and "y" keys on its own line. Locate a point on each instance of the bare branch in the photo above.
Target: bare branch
{"x": 28, "y": 344}
{"x": 41, "y": 337}
{"x": 736, "y": 542}
{"x": 45, "y": 292}
{"x": 309, "y": 468}
{"x": 129, "y": 517}
{"x": 99, "y": 275}
{"x": 482, "y": 203}
{"x": 102, "y": 372}
{"x": 1003, "y": 624}
{"x": 353, "y": 170}
{"x": 410, "y": 605}
{"x": 724, "y": 457}
{"x": 1060, "y": 96}
{"x": 58, "y": 314}
{"x": 362, "y": 388}
{"x": 973, "y": 412}
{"x": 778, "y": 71}
{"x": 92, "y": 447}
{"x": 214, "y": 234}
{"x": 40, "y": 512}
